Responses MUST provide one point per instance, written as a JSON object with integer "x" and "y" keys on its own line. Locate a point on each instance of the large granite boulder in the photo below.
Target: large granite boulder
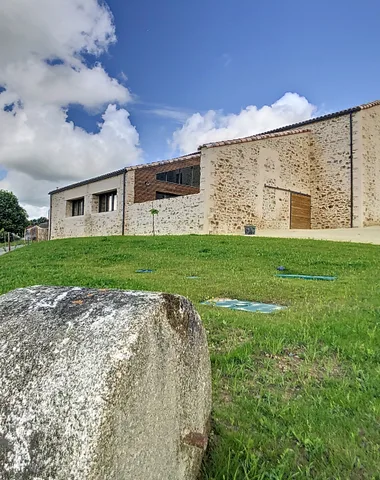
{"x": 101, "y": 384}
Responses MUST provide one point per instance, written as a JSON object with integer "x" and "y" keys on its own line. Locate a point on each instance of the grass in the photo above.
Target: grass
{"x": 296, "y": 394}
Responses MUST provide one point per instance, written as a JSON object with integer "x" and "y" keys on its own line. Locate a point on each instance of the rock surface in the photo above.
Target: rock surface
{"x": 101, "y": 384}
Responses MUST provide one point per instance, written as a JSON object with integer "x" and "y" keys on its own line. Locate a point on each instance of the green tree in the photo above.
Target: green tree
{"x": 13, "y": 218}
{"x": 37, "y": 221}
{"x": 154, "y": 212}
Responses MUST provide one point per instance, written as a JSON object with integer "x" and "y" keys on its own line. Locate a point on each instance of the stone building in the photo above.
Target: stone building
{"x": 321, "y": 173}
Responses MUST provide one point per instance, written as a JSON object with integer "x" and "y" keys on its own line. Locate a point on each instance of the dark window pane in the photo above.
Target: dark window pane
{"x": 102, "y": 203}
{"x": 77, "y": 207}
{"x": 108, "y": 202}
{"x": 171, "y": 176}
{"x": 161, "y": 195}
{"x": 196, "y": 176}
{"x": 182, "y": 176}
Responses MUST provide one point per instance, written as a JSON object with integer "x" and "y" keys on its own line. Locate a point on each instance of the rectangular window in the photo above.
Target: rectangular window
{"x": 77, "y": 207}
{"x": 183, "y": 176}
{"x": 108, "y": 202}
{"x": 161, "y": 195}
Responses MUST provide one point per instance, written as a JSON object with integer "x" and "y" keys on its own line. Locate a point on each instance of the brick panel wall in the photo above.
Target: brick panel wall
{"x": 146, "y": 184}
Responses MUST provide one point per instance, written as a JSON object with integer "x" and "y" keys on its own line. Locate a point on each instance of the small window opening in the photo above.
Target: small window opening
{"x": 77, "y": 207}
{"x": 183, "y": 176}
{"x": 161, "y": 195}
{"x": 108, "y": 202}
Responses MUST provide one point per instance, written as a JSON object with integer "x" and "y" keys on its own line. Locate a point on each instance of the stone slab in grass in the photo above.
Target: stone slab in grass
{"x": 101, "y": 384}
{"x": 306, "y": 277}
{"x": 244, "y": 305}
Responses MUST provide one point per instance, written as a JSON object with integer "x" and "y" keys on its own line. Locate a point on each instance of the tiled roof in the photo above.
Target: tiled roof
{"x": 375, "y": 103}
{"x": 261, "y": 136}
{"x": 115, "y": 173}
{"x": 163, "y": 162}
{"x": 295, "y": 127}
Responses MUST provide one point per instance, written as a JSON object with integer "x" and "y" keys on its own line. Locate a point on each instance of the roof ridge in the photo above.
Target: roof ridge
{"x": 163, "y": 162}
{"x": 251, "y": 138}
{"x": 294, "y": 126}
{"x": 364, "y": 106}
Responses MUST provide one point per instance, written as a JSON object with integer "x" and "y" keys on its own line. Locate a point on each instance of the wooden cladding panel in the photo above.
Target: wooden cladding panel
{"x": 146, "y": 184}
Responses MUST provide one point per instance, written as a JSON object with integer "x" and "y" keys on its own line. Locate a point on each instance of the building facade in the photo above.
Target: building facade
{"x": 321, "y": 173}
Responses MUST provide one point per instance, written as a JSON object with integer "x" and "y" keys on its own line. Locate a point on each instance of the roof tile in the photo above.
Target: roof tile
{"x": 260, "y": 136}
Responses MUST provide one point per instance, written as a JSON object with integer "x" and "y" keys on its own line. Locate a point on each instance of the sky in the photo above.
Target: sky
{"x": 88, "y": 86}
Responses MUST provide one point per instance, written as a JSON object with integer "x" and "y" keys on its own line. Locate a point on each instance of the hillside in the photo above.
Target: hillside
{"x": 297, "y": 392}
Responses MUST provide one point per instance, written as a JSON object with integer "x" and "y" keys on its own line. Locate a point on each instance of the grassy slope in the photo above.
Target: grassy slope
{"x": 296, "y": 393}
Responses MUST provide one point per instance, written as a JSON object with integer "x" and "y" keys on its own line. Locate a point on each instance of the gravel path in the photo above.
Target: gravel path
{"x": 2, "y": 251}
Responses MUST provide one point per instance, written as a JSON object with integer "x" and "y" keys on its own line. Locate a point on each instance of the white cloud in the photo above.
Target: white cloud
{"x": 42, "y": 44}
{"x": 170, "y": 113}
{"x": 62, "y": 84}
{"x": 37, "y": 141}
{"x": 215, "y": 125}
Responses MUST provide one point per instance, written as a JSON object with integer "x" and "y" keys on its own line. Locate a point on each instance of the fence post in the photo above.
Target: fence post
{"x": 9, "y": 242}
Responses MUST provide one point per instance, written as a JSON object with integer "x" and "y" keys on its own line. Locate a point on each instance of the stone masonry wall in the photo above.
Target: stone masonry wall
{"x": 330, "y": 171}
{"x": 238, "y": 175}
{"x": 177, "y": 216}
{"x": 92, "y": 223}
{"x": 316, "y": 163}
{"x": 371, "y": 165}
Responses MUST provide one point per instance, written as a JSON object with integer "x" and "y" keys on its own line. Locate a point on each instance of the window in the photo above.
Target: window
{"x": 161, "y": 195}
{"x": 108, "y": 202}
{"x": 77, "y": 207}
{"x": 183, "y": 176}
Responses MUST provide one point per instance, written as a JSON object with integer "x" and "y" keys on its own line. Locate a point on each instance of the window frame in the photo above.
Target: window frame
{"x": 107, "y": 196}
{"x": 77, "y": 207}
{"x": 166, "y": 195}
{"x": 177, "y": 173}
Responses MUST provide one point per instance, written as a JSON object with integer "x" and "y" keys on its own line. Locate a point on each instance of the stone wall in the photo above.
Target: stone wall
{"x": 239, "y": 173}
{"x": 146, "y": 184}
{"x": 316, "y": 163}
{"x": 92, "y": 223}
{"x": 36, "y": 234}
{"x": 177, "y": 216}
{"x": 371, "y": 166}
{"x": 330, "y": 171}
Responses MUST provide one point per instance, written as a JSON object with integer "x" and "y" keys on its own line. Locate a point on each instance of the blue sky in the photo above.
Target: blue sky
{"x": 83, "y": 92}
{"x": 201, "y": 55}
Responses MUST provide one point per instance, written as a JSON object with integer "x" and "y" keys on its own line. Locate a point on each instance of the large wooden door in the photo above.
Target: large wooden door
{"x": 300, "y": 211}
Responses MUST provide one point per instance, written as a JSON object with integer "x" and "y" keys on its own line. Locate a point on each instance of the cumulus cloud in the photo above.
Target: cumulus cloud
{"x": 216, "y": 125}
{"x": 42, "y": 72}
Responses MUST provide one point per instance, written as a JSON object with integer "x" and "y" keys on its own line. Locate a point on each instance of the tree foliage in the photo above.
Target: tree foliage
{"x": 154, "y": 212}
{"x": 13, "y": 218}
{"x": 37, "y": 221}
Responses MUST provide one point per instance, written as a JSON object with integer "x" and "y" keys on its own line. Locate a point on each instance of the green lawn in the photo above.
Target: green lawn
{"x": 296, "y": 393}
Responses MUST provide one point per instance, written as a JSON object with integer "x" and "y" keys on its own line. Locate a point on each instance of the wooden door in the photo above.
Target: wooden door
{"x": 300, "y": 211}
